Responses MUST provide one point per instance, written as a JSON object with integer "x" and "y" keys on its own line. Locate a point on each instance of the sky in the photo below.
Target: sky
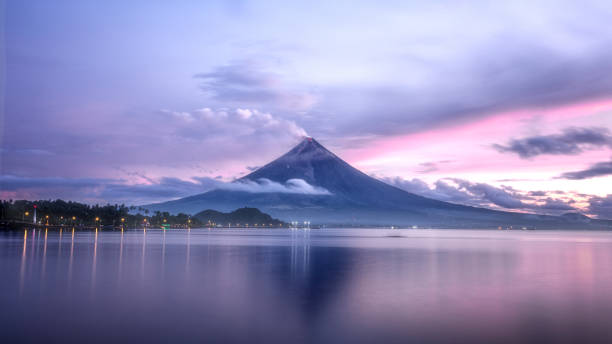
{"x": 506, "y": 105}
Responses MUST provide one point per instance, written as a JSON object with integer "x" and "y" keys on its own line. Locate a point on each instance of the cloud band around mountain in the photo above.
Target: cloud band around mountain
{"x": 93, "y": 190}
{"x": 263, "y": 185}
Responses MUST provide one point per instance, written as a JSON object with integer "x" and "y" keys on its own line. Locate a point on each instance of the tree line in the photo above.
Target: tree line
{"x": 60, "y": 212}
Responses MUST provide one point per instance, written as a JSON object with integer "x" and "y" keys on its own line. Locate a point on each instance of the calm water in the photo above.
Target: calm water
{"x": 283, "y": 286}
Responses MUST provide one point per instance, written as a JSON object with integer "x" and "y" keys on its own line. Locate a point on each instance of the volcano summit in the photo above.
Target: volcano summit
{"x": 311, "y": 183}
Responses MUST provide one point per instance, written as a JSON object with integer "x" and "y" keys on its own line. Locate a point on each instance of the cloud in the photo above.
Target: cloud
{"x": 570, "y": 142}
{"x": 232, "y": 124}
{"x": 414, "y": 185}
{"x": 428, "y": 64}
{"x": 263, "y": 185}
{"x": 431, "y": 166}
{"x": 202, "y": 141}
{"x": 601, "y": 206}
{"x": 599, "y": 169}
{"x": 92, "y": 190}
{"x": 96, "y": 190}
{"x": 458, "y": 191}
{"x": 502, "y": 72}
{"x": 555, "y": 204}
{"x": 503, "y": 197}
{"x": 247, "y": 82}
{"x": 164, "y": 189}
{"x": 485, "y": 195}
{"x": 27, "y": 151}
{"x": 13, "y": 183}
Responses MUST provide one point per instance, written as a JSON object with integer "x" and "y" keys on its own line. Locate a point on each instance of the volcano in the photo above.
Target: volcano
{"x": 313, "y": 184}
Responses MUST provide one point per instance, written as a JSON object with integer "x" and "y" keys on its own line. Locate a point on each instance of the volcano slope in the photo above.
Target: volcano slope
{"x": 313, "y": 184}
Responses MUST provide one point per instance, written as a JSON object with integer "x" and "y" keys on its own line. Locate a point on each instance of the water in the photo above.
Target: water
{"x": 283, "y": 286}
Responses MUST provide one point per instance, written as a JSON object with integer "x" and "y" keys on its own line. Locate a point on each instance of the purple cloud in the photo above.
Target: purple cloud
{"x": 486, "y": 195}
{"x": 601, "y": 206}
{"x": 572, "y": 141}
{"x": 248, "y": 83}
{"x": 599, "y": 169}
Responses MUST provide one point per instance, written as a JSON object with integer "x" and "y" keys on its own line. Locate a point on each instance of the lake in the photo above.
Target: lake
{"x": 297, "y": 286}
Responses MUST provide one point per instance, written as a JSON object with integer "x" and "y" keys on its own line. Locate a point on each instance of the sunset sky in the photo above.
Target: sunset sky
{"x": 503, "y": 105}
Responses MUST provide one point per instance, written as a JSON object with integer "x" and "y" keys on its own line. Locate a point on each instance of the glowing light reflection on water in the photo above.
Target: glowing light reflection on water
{"x": 321, "y": 285}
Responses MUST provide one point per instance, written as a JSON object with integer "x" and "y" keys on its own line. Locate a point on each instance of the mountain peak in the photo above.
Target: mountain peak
{"x": 308, "y": 145}
{"x": 308, "y": 160}
{"x": 309, "y": 141}
{"x": 313, "y": 163}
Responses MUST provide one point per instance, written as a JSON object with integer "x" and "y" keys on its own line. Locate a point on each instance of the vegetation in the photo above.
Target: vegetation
{"x": 242, "y": 217}
{"x": 59, "y": 212}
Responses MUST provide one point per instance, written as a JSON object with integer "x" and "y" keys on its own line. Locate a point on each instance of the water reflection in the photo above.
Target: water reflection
{"x": 44, "y": 257}
{"x": 300, "y": 252}
{"x": 23, "y": 262}
{"x": 188, "y": 250}
{"x": 144, "y": 247}
{"x": 307, "y": 286}
{"x": 59, "y": 246}
{"x": 119, "y": 268}
{"x": 94, "y": 261}
{"x": 163, "y": 254}
{"x": 33, "y": 242}
{"x": 71, "y": 259}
